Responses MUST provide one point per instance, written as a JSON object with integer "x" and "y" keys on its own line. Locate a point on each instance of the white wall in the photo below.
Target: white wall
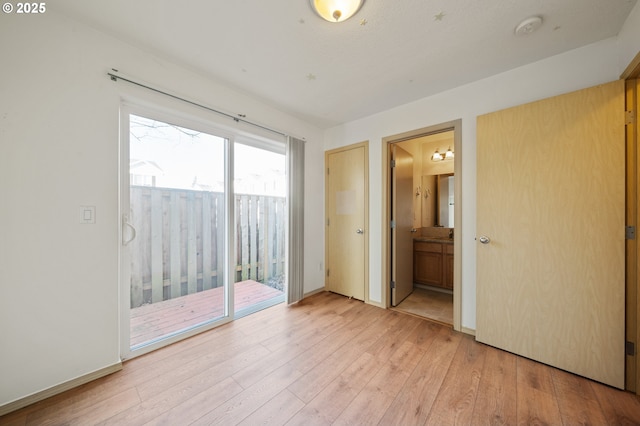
{"x": 580, "y": 68}
{"x": 59, "y": 150}
{"x": 629, "y": 39}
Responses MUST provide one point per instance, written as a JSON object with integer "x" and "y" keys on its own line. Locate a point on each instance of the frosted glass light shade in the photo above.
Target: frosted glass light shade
{"x": 336, "y": 10}
{"x": 449, "y": 154}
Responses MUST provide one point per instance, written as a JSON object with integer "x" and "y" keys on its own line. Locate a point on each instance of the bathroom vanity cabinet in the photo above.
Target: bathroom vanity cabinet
{"x": 433, "y": 262}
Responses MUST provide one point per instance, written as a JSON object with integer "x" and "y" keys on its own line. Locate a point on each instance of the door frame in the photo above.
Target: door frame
{"x": 365, "y": 145}
{"x": 456, "y": 126}
{"x": 632, "y": 300}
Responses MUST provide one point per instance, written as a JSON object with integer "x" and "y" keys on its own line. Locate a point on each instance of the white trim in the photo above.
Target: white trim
{"x": 123, "y": 251}
{"x": 259, "y": 306}
{"x": 176, "y": 337}
{"x": 230, "y": 235}
{"x": 176, "y": 117}
{"x": 316, "y": 291}
{"x": 266, "y": 145}
{"x": 57, "y": 389}
{"x": 469, "y": 331}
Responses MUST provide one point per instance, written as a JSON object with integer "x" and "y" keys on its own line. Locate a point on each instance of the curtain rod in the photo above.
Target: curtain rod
{"x": 238, "y": 119}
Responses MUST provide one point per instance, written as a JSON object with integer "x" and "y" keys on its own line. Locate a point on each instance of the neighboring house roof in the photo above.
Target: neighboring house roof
{"x": 144, "y": 168}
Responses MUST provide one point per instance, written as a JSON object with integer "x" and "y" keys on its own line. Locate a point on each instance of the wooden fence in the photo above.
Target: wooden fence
{"x": 179, "y": 246}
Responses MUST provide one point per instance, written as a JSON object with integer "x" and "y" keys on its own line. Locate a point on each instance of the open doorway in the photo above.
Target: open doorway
{"x": 430, "y": 261}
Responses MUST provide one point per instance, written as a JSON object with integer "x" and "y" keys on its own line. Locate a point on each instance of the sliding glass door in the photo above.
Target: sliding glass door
{"x": 260, "y": 220}
{"x": 203, "y": 228}
{"x": 174, "y": 230}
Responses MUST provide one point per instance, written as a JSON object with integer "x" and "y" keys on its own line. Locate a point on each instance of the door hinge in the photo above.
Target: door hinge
{"x": 393, "y": 163}
{"x": 328, "y": 170}
{"x": 630, "y": 348}
{"x": 393, "y": 284}
{"x": 328, "y": 222}
{"x": 327, "y": 271}
{"x": 393, "y": 224}
{"x": 629, "y": 117}
{"x": 630, "y": 232}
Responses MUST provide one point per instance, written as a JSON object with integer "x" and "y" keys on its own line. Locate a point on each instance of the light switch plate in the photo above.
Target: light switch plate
{"x": 87, "y": 215}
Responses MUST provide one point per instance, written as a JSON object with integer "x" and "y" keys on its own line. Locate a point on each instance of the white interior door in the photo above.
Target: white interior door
{"x": 551, "y": 212}
{"x": 402, "y": 217}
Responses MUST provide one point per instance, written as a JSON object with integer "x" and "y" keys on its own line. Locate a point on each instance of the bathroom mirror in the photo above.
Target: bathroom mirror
{"x": 445, "y": 201}
{"x": 437, "y": 200}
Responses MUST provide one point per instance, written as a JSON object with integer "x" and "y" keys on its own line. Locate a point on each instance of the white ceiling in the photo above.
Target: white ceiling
{"x": 390, "y": 53}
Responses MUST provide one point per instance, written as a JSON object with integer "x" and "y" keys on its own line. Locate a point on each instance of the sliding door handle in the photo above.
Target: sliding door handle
{"x": 126, "y": 224}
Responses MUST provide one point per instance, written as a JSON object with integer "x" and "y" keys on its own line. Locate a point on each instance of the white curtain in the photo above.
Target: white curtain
{"x": 295, "y": 214}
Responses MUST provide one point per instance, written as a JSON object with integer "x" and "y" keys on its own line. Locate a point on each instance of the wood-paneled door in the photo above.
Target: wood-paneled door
{"x": 402, "y": 219}
{"x": 551, "y": 214}
{"x": 347, "y": 225}
{"x": 347, "y": 233}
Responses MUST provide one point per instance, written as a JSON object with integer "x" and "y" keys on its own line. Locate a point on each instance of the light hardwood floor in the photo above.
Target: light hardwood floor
{"x": 431, "y": 304}
{"x": 332, "y": 360}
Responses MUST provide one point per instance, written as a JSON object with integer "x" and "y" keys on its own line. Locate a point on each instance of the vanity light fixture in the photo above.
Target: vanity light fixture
{"x": 336, "y": 10}
{"x": 437, "y": 156}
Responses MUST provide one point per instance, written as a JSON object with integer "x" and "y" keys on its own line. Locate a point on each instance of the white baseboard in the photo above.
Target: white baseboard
{"x": 469, "y": 331}
{"x": 54, "y": 390}
{"x": 376, "y": 304}
{"x": 312, "y": 292}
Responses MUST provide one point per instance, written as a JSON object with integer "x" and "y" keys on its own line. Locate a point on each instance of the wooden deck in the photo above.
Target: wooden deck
{"x": 151, "y": 321}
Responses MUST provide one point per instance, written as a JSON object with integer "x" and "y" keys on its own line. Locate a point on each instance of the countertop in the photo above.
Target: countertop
{"x": 434, "y": 240}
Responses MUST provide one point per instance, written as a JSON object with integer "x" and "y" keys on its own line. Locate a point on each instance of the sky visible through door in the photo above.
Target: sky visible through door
{"x": 159, "y": 149}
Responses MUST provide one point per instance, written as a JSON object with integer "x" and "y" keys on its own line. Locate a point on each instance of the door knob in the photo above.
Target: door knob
{"x": 359, "y": 231}
{"x": 484, "y": 239}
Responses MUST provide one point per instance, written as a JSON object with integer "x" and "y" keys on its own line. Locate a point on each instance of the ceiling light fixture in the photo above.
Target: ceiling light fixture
{"x": 336, "y": 10}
